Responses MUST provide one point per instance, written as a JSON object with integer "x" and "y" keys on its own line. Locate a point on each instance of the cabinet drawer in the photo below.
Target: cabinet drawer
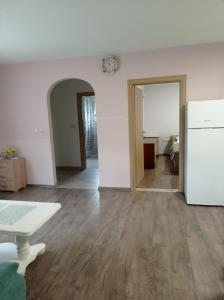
{"x": 6, "y": 184}
{"x": 6, "y": 170}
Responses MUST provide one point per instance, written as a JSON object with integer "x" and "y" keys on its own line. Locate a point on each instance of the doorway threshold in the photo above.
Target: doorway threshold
{"x": 157, "y": 190}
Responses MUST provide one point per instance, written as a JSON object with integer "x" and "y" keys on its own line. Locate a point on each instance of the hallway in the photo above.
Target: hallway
{"x": 162, "y": 177}
{"x": 76, "y": 179}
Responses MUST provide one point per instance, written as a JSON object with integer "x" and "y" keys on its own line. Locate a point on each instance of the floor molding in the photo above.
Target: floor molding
{"x": 32, "y": 185}
{"x": 103, "y": 188}
{"x": 60, "y": 187}
{"x": 67, "y": 168}
{"x": 157, "y": 190}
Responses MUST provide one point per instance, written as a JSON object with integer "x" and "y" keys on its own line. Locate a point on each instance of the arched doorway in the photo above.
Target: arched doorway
{"x": 72, "y": 110}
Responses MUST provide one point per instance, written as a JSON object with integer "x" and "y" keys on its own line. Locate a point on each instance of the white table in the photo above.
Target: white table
{"x": 21, "y": 219}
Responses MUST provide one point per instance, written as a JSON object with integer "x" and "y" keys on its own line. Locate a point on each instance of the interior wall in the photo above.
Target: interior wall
{"x": 161, "y": 112}
{"x": 24, "y": 92}
{"x": 64, "y": 114}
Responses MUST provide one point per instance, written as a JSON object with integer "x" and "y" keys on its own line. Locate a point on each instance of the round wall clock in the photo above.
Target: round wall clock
{"x": 110, "y": 64}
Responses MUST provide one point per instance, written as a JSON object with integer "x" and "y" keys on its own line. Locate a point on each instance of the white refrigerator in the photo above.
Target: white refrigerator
{"x": 204, "y": 152}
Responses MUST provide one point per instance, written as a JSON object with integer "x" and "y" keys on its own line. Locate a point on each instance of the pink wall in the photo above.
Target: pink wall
{"x": 23, "y": 102}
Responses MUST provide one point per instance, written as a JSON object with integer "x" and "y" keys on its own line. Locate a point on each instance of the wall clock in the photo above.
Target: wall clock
{"x": 110, "y": 64}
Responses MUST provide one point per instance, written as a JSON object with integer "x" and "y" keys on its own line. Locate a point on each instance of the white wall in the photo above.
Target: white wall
{"x": 24, "y": 90}
{"x": 161, "y": 112}
{"x": 65, "y": 121}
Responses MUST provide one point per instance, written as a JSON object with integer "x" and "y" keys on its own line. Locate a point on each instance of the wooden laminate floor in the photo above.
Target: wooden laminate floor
{"x": 162, "y": 177}
{"x": 75, "y": 179}
{"x": 121, "y": 245}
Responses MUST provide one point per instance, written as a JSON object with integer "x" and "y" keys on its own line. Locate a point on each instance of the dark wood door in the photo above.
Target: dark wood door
{"x": 149, "y": 156}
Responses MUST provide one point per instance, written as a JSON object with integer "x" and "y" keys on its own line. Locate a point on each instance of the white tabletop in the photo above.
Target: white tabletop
{"x": 25, "y": 217}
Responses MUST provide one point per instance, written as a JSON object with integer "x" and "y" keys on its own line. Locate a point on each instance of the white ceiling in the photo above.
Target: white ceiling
{"x": 47, "y": 29}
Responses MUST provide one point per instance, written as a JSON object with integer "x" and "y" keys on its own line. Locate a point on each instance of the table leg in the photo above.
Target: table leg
{"x": 23, "y": 247}
{"x": 21, "y": 252}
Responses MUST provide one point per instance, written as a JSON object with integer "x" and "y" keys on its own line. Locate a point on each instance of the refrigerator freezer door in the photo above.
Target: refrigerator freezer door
{"x": 205, "y": 114}
{"x": 205, "y": 166}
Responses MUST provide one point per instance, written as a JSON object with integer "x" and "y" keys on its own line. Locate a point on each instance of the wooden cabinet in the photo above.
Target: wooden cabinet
{"x": 149, "y": 156}
{"x": 12, "y": 174}
{"x": 151, "y": 151}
